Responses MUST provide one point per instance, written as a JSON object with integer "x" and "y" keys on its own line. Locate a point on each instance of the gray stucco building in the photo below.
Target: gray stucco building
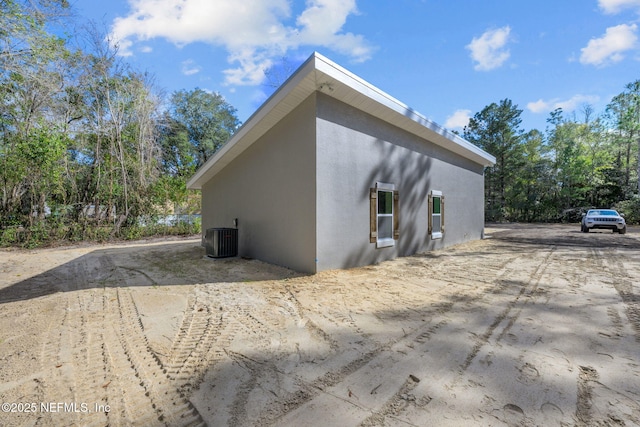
{"x": 331, "y": 172}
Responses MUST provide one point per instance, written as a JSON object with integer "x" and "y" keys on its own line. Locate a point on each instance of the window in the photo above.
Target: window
{"x": 436, "y": 214}
{"x": 384, "y": 215}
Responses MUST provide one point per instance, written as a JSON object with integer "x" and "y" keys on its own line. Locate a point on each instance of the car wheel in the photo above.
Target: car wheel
{"x": 623, "y": 230}
{"x": 585, "y": 229}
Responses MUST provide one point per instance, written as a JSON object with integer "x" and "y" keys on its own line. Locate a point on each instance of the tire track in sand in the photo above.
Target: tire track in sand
{"x": 155, "y": 400}
{"x": 74, "y": 355}
{"x": 101, "y": 356}
{"x": 584, "y": 412}
{"x": 396, "y": 404}
{"x": 198, "y": 345}
{"x": 403, "y": 399}
{"x": 511, "y": 311}
{"x": 611, "y": 262}
{"x": 421, "y": 335}
{"x": 307, "y": 391}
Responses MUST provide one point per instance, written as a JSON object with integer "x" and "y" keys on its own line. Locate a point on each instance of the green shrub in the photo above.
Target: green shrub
{"x": 9, "y": 236}
{"x": 43, "y": 233}
{"x": 133, "y": 232}
{"x": 631, "y": 209}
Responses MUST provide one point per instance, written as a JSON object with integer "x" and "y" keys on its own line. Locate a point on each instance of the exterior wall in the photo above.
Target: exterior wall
{"x": 354, "y": 151}
{"x": 270, "y": 188}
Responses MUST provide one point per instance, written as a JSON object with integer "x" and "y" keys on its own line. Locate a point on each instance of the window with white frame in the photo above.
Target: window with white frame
{"x": 436, "y": 214}
{"x": 384, "y": 215}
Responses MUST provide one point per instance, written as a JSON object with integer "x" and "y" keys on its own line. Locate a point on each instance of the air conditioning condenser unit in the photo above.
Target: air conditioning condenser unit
{"x": 221, "y": 242}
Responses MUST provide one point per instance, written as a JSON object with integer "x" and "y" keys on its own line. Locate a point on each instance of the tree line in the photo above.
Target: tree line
{"x": 580, "y": 161}
{"x": 90, "y": 148}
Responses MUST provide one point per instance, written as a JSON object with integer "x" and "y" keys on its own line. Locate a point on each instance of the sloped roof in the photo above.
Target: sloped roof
{"x": 320, "y": 74}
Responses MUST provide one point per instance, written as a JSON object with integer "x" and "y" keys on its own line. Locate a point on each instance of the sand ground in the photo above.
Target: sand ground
{"x": 535, "y": 325}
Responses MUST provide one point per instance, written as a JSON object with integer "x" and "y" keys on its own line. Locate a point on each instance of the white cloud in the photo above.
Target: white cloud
{"x": 252, "y": 31}
{"x": 322, "y": 22}
{"x": 571, "y": 104}
{"x": 612, "y": 7}
{"x": 458, "y": 120}
{"x": 489, "y": 50}
{"x": 189, "y": 67}
{"x": 609, "y": 48}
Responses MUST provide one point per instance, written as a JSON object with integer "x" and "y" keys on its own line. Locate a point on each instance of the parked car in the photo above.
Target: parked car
{"x": 607, "y": 219}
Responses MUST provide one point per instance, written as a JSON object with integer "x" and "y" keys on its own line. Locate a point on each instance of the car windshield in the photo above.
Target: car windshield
{"x": 604, "y": 212}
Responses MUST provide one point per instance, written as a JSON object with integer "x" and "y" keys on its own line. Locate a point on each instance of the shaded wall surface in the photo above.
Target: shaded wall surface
{"x": 356, "y": 150}
{"x": 270, "y": 188}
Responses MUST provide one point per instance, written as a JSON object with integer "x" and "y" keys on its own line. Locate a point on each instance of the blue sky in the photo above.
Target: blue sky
{"x": 447, "y": 59}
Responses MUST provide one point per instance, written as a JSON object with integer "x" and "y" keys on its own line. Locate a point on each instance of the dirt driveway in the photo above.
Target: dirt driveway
{"x": 535, "y": 325}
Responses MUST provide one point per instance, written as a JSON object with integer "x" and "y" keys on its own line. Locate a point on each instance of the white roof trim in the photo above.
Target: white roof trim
{"x": 320, "y": 74}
